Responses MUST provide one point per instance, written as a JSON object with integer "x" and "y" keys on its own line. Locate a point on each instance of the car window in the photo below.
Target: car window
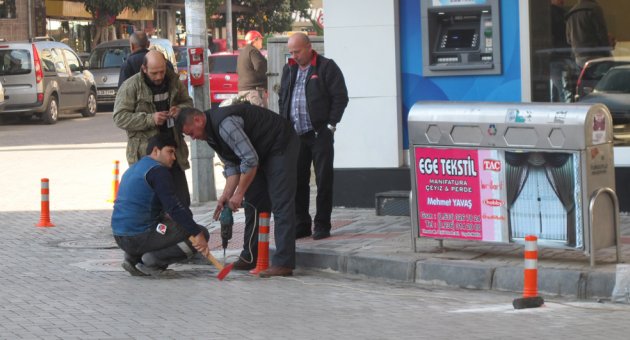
{"x": 108, "y": 57}
{"x": 616, "y": 81}
{"x": 48, "y": 62}
{"x": 73, "y": 61}
{"x": 15, "y": 62}
{"x": 222, "y": 64}
{"x": 60, "y": 65}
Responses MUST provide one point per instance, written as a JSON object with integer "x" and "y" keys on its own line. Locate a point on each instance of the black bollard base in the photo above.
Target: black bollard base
{"x": 528, "y": 302}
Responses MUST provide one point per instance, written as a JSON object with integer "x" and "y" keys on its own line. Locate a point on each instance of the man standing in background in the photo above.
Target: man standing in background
{"x": 312, "y": 97}
{"x": 251, "y": 67}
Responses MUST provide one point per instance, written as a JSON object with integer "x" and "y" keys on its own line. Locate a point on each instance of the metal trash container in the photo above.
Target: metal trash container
{"x": 497, "y": 172}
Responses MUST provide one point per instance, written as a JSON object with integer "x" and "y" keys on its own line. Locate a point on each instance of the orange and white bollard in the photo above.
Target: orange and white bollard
{"x": 115, "y": 182}
{"x": 263, "y": 244}
{"x": 44, "y": 218}
{"x": 530, "y": 297}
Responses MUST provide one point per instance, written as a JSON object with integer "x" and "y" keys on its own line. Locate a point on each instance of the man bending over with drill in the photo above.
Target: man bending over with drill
{"x": 150, "y": 238}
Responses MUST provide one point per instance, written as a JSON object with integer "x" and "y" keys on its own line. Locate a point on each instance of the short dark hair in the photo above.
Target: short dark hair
{"x": 160, "y": 141}
{"x": 185, "y": 115}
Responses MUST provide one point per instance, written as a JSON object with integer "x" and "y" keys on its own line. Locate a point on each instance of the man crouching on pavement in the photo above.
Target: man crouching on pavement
{"x": 151, "y": 239}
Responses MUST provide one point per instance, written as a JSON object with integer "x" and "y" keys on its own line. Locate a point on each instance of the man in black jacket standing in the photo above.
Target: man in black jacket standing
{"x": 139, "y": 44}
{"x": 312, "y": 97}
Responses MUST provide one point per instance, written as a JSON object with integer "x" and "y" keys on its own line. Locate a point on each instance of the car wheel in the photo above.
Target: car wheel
{"x": 90, "y": 109}
{"x": 51, "y": 114}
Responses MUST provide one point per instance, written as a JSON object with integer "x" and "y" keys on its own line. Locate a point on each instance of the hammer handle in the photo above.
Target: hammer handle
{"x": 208, "y": 255}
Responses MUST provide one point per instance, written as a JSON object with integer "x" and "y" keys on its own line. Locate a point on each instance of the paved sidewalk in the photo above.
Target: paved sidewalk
{"x": 381, "y": 247}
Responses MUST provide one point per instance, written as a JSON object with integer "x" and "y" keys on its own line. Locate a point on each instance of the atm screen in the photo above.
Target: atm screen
{"x": 460, "y": 38}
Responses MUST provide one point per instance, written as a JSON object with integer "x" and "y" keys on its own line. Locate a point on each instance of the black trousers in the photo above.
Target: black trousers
{"x": 273, "y": 189}
{"x": 317, "y": 149}
{"x": 181, "y": 184}
{"x": 165, "y": 245}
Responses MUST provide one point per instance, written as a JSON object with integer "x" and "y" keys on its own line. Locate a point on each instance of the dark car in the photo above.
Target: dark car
{"x": 593, "y": 71}
{"x": 45, "y": 79}
{"x": 613, "y": 90}
{"x": 181, "y": 56}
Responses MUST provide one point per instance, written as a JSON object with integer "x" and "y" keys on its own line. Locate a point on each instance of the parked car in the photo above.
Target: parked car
{"x": 107, "y": 58}
{"x": 613, "y": 90}
{"x": 181, "y": 57}
{"x": 1, "y": 97}
{"x": 593, "y": 71}
{"x": 45, "y": 78}
{"x": 223, "y": 77}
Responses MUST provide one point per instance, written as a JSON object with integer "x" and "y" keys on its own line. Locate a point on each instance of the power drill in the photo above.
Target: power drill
{"x": 227, "y": 222}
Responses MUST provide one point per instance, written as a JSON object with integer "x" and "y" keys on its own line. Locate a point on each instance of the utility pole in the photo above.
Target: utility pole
{"x": 228, "y": 25}
{"x": 203, "y": 187}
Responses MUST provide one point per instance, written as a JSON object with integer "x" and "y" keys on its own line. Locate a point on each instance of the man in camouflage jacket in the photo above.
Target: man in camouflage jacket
{"x": 144, "y": 106}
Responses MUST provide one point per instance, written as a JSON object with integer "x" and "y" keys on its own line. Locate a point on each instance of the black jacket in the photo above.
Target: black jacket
{"x": 326, "y": 93}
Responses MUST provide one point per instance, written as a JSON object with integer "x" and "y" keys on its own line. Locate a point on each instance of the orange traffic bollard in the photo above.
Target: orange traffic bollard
{"x": 263, "y": 244}
{"x": 44, "y": 218}
{"x": 530, "y": 276}
{"x": 115, "y": 182}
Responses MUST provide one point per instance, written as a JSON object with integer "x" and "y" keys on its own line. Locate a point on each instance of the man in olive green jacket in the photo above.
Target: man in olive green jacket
{"x": 145, "y": 105}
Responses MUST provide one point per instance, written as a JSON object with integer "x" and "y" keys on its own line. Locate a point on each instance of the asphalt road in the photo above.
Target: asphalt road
{"x": 72, "y": 129}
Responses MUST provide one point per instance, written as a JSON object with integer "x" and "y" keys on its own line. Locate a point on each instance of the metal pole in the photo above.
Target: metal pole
{"x": 228, "y": 25}
{"x": 203, "y": 188}
{"x": 30, "y": 19}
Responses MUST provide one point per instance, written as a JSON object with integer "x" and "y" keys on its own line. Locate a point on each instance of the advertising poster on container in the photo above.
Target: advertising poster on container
{"x": 461, "y": 194}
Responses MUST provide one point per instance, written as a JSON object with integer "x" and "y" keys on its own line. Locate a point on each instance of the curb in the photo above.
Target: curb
{"x": 461, "y": 273}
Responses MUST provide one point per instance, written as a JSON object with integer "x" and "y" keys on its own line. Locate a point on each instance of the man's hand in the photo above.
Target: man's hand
{"x": 200, "y": 243}
{"x": 236, "y": 201}
{"x": 160, "y": 117}
{"x": 220, "y": 206}
{"x": 173, "y": 112}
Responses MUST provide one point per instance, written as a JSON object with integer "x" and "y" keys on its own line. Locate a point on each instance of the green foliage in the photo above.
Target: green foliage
{"x": 103, "y": 8}
{"x": 265, "y": 16}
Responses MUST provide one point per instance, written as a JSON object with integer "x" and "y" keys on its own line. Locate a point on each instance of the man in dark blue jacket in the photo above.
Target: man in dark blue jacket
{"x": 312, "y": 97}
{"x": 150, "y": 239}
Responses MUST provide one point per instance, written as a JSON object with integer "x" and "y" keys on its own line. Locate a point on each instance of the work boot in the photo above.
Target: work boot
{"x": 240, "y": 264}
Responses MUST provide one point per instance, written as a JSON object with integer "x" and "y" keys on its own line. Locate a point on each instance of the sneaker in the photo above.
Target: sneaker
{"x": 131, "y": 269}
{"x": 154, "y": 271}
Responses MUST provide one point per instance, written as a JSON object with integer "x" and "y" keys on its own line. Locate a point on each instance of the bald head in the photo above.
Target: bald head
{"x": 300, "y": 49}
{"x": 154, "y": 67}
{"x": 138, "y": 41}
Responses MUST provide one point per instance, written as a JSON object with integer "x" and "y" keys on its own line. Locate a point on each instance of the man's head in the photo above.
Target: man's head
{"x": 138, "y": 40}
{"x": 192, "y": 122}
{"x": 300, "y": 48}
{"x": 254, "y": 38}
{"x": 559, "y": 3}
{"x": 161, "y": 148}
{"x": 154, "y": 67}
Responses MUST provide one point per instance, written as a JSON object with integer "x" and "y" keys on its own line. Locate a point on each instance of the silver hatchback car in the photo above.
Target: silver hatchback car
{"x": 44, "y": 78}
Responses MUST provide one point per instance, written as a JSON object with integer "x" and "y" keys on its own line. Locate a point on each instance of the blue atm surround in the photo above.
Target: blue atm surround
{"x": 505, "y": 87}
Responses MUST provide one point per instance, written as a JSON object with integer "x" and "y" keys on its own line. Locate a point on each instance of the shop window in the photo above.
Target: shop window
{"x": 7, "y": 9}
{"x": 569, "y": 71}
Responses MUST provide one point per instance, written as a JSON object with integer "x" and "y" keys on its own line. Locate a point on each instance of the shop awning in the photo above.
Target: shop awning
{"x": 71, "y": 9}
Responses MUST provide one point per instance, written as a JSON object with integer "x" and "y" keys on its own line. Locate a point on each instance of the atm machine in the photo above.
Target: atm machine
{"x": 460, "y": 37}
